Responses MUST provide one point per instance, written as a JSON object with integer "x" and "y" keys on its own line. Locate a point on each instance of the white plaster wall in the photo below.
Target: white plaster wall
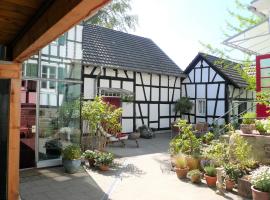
{"x": 191, "y": 75}
{"x": 204, "y": 74}
{"x": 164, "y": 122}
{"x": 155, "y": 94}
{"x": 127, "y": 125}
{"x": 127, "y": 85}
{"x": 164, "y": 94}
{"x": 153, "y": 112}
{"x": 164, "y": 109}
{"x": 198, "y": 75}
{"x": 89, "y": 88}
{"x": 104, "y": 83}
{"x": 218, "y": 78}
{"x": 201, "y": 91}
{"x": 212, "y": 74}
{"x": 212, "y": 90}
{"x": 210, "y": 107}
{"x": 177, "y": 93}
{"x": 116, "y": 84}
{"x": 220, "y": 108}
{"x": 155, "y": 79}
{"x": 221, "y": 93}
{"x": 146, "y": 78}
{"x": 127, "y": 109}
{"x": 139, "y": 93}
{"x": 191, "y": 90}
{"x": 164, "y": 80}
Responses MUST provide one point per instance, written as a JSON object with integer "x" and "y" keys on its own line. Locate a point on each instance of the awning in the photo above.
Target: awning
{"x": 255, "y": 40}
{"x": 260, "y": 6}
{"x": 103, "y": 91}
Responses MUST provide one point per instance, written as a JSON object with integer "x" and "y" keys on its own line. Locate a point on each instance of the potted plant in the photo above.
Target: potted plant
{"x": 183, "y": 106}
{"x": 103, "y": 160}
{"x": 210, "y": 176}
{"x": 232, "y": 174}
{"x": 263, "y": 126}
{"x": 186, "y": 143}
{"x": 181, "y": 167}
{"x": 208, "y": 137}
{"x": 71, "y": 158}
{"x": 260, "y": 181}
{"x": 194, "y": 176}
{"x": 90, "y": 156}
{"x": 248, "y": 123}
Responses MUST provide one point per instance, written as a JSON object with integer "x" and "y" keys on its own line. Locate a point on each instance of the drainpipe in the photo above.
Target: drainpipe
{"x": 96, "y": 81}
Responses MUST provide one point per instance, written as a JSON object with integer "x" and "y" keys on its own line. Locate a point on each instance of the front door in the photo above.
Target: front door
{"x": 4, "y": 131}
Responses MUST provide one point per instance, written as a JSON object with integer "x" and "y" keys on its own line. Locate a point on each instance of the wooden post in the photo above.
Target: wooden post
{"x": 12, "y": 71}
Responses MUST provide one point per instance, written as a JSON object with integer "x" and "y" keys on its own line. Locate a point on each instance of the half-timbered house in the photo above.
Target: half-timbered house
{"x": 117, "y": 64}
{"x": 217, "y": 89}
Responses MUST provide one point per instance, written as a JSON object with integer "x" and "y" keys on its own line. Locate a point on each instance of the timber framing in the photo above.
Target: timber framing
{"x": 45, "y": 24}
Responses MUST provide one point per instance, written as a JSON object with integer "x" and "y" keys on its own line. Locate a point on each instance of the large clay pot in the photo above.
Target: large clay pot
{"x": 181, "y": 173}
{"x": 258, "y": 195}
{"x": 104, "y": 167}
{"x": 210, "y": 180}
{"x": 192, "y": 163}
{"x": 71, "y": 166}
{"x": 229, "y": 185}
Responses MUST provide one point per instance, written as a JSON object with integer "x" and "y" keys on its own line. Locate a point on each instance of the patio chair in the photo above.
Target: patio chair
{"x": 114, "y": 137}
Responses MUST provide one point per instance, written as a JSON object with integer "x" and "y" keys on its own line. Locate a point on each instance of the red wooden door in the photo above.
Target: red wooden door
{"x": 262, "y": 81}
{"x": 115, "y": 101}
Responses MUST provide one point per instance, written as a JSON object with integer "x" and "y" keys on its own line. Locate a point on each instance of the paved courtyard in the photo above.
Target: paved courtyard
{"x": 140, "y": 174}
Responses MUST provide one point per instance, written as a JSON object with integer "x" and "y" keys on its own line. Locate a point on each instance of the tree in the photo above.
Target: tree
{"x": 116, "y": 15}
{"x": 238, "y": 21}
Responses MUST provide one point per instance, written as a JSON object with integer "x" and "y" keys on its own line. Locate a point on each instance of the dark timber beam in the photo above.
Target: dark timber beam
{"x": 59, "y": 17}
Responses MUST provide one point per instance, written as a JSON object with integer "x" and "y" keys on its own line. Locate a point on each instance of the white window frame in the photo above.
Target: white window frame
{"x": 201, "y": 107}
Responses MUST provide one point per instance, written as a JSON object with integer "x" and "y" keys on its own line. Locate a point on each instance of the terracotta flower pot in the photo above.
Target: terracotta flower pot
{"x": 244, "y": 187}
{"x": 210, "y": 180}
{"x": 91, "y": 162}
{"x": 229, "y": 185}
{"x": 195, "y": 178}
{"x": 193, "y": 163}
{"x": 181, "y": 173}
{"x": 104, "y": 167}
{"x": 258, "y": 195}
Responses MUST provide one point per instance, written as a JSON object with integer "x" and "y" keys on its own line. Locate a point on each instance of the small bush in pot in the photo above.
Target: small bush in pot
{"x": 210, "y": 176}
{"x": 248, "y": 123}
{"x": 181, "y": 167}
{"x": 71, "y": 158}
{"x": 208, "y": 137}
{"x": 194, "y": 176}
{"x": 260, "y": 181}
{"x": 104, "y": 160}
{"x": 233, "y": 172}
{"x": 90, "y": 156}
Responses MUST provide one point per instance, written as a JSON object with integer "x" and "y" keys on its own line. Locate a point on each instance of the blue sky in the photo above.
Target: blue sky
{"x": 177, "y": 26}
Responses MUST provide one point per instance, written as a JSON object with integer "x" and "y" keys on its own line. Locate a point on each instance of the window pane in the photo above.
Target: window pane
{"x": 30, "y": 69}
{"x": 44, "y": 84}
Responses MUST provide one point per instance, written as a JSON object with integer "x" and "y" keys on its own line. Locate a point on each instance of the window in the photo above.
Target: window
{"x": 48, "y": 72}
{"x": 201, "y": 106}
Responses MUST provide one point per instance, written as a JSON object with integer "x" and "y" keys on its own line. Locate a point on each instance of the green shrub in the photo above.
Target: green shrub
{"x": 233, "y": 172}
{"x": 218, "y": 152}
{"x": 183, "y": 105}
{"x": 104, "y": 158}
{"x": 249, "y": 118}
{"x": 260, "y": 179}
{"x": 186, "y": 142}
{"x": 180, "y": 161}
{"x": 72, "y": 152}
{"x": 210, "y": 171}
{"x": 88, "y": 154}
{"x": 194, "y": 172}
{"x": 208, "y": 137}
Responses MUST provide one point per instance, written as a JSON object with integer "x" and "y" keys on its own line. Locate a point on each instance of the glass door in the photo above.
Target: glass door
{"x": 28, "y": 123}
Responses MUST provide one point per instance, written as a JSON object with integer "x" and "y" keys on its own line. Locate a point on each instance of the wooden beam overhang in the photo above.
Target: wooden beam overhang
{"x": 59, "y": 17}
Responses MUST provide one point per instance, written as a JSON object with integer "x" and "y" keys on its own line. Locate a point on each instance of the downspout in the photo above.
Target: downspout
{"x": 96, "y": 81}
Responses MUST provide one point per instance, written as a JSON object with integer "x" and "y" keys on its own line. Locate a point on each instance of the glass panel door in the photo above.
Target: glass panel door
{"x": 59, "y": 119}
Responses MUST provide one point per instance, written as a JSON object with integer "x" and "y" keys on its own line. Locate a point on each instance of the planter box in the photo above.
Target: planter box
{"x": 244, "y": 188}
{"x": 247, "y": 128}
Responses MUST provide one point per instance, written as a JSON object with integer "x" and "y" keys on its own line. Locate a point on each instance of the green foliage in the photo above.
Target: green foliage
{"x": 260, "y": 179}
{"x": 210, "y": 171}
{"x": 180, "y": 161}
{"x": 233, "y": 172}
{"x": 98, "y": 112}
{"x": 186, "y": 142}
{"x": 194, "y": 172}
{"x": 72, "y": 152}
{"x": 116, "y": 15}
{"x": 263, "y": 126}
{"x": 263, "y": 98}
{"x": 208, "y": 137}
{"x": 88, "y": 154}
{"x": 69, "y": 111}
{"x": 249, "y": 118}
{"x": 104, "y": 158}
{"x": 218, "y": 152}
{"x": 183, "y": 105}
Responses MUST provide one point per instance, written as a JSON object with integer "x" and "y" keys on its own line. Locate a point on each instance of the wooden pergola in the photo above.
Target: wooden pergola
{"x": 25, "y": 27}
